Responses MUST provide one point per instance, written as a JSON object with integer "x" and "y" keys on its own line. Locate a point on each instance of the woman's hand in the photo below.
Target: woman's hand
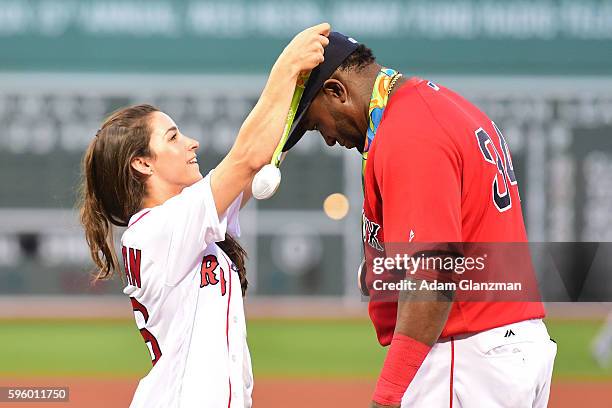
{"x": 305, "y": 51}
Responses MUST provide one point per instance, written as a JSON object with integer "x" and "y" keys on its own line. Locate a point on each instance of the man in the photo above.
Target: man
{"x": 436, "y": 172}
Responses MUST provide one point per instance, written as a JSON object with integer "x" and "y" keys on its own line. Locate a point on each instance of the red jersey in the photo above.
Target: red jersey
{"x": 433, "y": 175}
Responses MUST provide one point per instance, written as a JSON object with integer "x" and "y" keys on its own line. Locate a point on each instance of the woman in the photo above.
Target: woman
{"x": 184, "y": 270}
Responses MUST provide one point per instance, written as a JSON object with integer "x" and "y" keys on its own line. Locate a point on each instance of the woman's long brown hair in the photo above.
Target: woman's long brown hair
{"x": 112, "y": 190}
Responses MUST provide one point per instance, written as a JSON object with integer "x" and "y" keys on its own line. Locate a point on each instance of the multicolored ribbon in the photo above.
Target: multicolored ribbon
{"x": 378, "y": 103}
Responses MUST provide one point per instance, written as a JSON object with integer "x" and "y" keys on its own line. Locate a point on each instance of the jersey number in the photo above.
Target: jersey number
{"x": 146, "y": 334}
{"x": 505, "y": 170}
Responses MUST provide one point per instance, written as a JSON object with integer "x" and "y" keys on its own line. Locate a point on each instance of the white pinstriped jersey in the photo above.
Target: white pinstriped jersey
{"x": 187, "y": 302}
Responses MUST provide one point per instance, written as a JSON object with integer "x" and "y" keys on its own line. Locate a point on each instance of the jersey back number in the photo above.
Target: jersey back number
{"x": 505, "y": 176}
{"x": 147, "y": 336}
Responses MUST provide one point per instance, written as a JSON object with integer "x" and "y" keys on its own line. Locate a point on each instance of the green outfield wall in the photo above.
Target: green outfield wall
{"x": 464, "y": 36}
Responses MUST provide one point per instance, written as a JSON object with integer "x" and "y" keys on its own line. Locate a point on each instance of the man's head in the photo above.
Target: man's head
{"x": 337, "y": 104}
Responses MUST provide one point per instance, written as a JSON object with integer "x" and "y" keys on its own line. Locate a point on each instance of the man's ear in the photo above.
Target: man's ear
{"x": 142, "y": 165}
{"x": 335, "y": 89}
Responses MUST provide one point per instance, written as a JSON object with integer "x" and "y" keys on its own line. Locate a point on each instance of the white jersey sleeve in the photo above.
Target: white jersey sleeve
{"x": 233, "y": 224}
{"x": 188, "y": 223}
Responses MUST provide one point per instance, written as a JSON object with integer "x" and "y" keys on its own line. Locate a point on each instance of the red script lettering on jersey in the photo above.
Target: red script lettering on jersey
{"x": 208, "y": 275}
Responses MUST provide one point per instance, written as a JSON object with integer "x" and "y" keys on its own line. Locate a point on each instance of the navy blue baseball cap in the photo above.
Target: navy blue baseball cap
{"x": 339, "y": 48}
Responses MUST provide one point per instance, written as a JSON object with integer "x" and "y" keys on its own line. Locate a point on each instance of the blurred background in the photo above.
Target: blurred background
{"x": 542, "y": 70}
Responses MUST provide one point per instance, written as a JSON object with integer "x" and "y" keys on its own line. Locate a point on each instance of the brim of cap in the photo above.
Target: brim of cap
{"x": 338, "y": 49}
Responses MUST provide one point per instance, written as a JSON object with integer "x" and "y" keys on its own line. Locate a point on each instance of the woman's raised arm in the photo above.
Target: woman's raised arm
{"x": 261, "y": 131}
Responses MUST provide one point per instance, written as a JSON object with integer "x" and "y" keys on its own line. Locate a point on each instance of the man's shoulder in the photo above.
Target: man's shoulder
{"x": 409, "y": 118}
{"x": 417, "y": 95}
{"x": 411, "y": 106}
{"x": 429, "y": 112}
{"x": 405, "y": 95}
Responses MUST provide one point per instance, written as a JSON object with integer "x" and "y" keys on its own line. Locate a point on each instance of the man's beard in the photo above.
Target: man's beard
{"x": 348, "y": 131}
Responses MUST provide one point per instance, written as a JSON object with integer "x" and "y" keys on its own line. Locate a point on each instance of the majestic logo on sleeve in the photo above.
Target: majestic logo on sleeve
{"x": 208, "y": 275}
{"x": 369, "y": 232}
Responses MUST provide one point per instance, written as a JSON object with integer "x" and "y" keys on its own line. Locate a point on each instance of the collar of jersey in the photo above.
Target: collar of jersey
{"x": 138, "y": 216}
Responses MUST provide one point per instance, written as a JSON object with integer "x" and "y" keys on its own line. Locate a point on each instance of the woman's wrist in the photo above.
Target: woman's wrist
{"x": 280, "y": 85}
{"x": 285, "y": 68}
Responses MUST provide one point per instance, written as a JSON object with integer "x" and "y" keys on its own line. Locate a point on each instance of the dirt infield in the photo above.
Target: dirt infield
{"x": 294, "y": 393}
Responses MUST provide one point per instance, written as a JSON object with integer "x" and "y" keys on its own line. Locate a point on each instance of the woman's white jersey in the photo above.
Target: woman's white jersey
{"x": 187, "y": 303}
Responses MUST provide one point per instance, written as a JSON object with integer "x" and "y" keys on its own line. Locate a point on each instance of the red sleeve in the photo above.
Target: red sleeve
{"x": 419, "y": 173}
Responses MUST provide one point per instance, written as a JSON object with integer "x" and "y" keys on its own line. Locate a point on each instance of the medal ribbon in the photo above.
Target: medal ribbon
{"x": 378, "y": 103}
